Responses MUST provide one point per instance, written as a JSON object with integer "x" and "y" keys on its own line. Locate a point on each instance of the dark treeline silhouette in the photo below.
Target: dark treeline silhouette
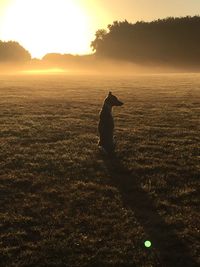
{"x": 13, "y": 52}
{"x": 170, "y": 41}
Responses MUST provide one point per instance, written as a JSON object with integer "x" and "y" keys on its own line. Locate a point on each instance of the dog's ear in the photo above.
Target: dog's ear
{"x": 110, "y": 93}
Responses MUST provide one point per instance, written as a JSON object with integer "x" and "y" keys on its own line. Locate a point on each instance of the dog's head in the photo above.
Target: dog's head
{"x": 112, "y": 100}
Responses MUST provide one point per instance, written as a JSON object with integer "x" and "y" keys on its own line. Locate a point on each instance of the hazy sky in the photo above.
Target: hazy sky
{"x": 68, "y": 26}
{"x": 150, "y": 9}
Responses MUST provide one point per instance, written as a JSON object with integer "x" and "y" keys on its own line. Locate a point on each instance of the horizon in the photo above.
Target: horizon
{"x": 91, "y": 52}
{"x": 44, "y": 35}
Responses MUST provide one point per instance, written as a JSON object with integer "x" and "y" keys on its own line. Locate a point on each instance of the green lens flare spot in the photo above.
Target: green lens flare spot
{"x": 147, "y": 244}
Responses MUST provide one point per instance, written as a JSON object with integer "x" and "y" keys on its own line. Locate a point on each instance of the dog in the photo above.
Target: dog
{"x": 106, "y": 123}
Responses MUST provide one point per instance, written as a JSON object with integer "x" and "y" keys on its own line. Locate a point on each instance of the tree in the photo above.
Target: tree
{"x": 13, "y": 51}
{"x": 171, "y": 40}
{"x": 100, "y": 35}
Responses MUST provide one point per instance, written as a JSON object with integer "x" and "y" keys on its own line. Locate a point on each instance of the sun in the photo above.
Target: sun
{"x": 48, "y": 26}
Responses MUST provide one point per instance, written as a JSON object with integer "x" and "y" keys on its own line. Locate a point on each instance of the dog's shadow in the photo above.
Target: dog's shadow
{"x": 170, "y": 250}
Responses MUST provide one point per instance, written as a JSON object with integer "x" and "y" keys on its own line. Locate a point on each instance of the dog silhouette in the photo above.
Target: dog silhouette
{"x": 106, "y": 123}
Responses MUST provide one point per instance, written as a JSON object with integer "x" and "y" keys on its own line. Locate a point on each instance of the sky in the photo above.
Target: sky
{"x": 69, "y": 26}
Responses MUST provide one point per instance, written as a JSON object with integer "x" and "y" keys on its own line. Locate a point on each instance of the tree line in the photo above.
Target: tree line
{"x": 171, "y": 40}
{"x": 13, "y": 52}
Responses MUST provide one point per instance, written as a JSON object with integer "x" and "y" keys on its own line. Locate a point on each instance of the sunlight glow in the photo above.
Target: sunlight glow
{"x": 46, "y": 26}
{"x": 44, "y": 71}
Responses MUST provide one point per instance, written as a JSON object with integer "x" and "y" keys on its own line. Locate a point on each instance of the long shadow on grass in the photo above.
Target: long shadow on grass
{"x": 171, "y": 251}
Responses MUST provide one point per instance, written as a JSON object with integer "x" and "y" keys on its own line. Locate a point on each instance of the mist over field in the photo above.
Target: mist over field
{"x": 93, "y": 66}
{"x": 64, "y": 203}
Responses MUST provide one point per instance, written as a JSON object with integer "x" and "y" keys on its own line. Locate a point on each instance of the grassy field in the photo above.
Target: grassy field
{"x": 64, "y": 203}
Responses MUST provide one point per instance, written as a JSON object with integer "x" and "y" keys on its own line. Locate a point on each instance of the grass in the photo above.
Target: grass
{"x": 64, "y": 203}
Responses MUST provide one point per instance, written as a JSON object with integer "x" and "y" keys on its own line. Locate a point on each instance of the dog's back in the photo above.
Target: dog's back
{"x": 106, "y": 122}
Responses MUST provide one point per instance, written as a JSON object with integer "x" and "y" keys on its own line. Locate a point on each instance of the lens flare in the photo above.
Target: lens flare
{"x": 147, "y": 244}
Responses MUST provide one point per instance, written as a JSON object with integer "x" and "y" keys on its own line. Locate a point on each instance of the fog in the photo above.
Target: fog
{"x": 88, "y": 67}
